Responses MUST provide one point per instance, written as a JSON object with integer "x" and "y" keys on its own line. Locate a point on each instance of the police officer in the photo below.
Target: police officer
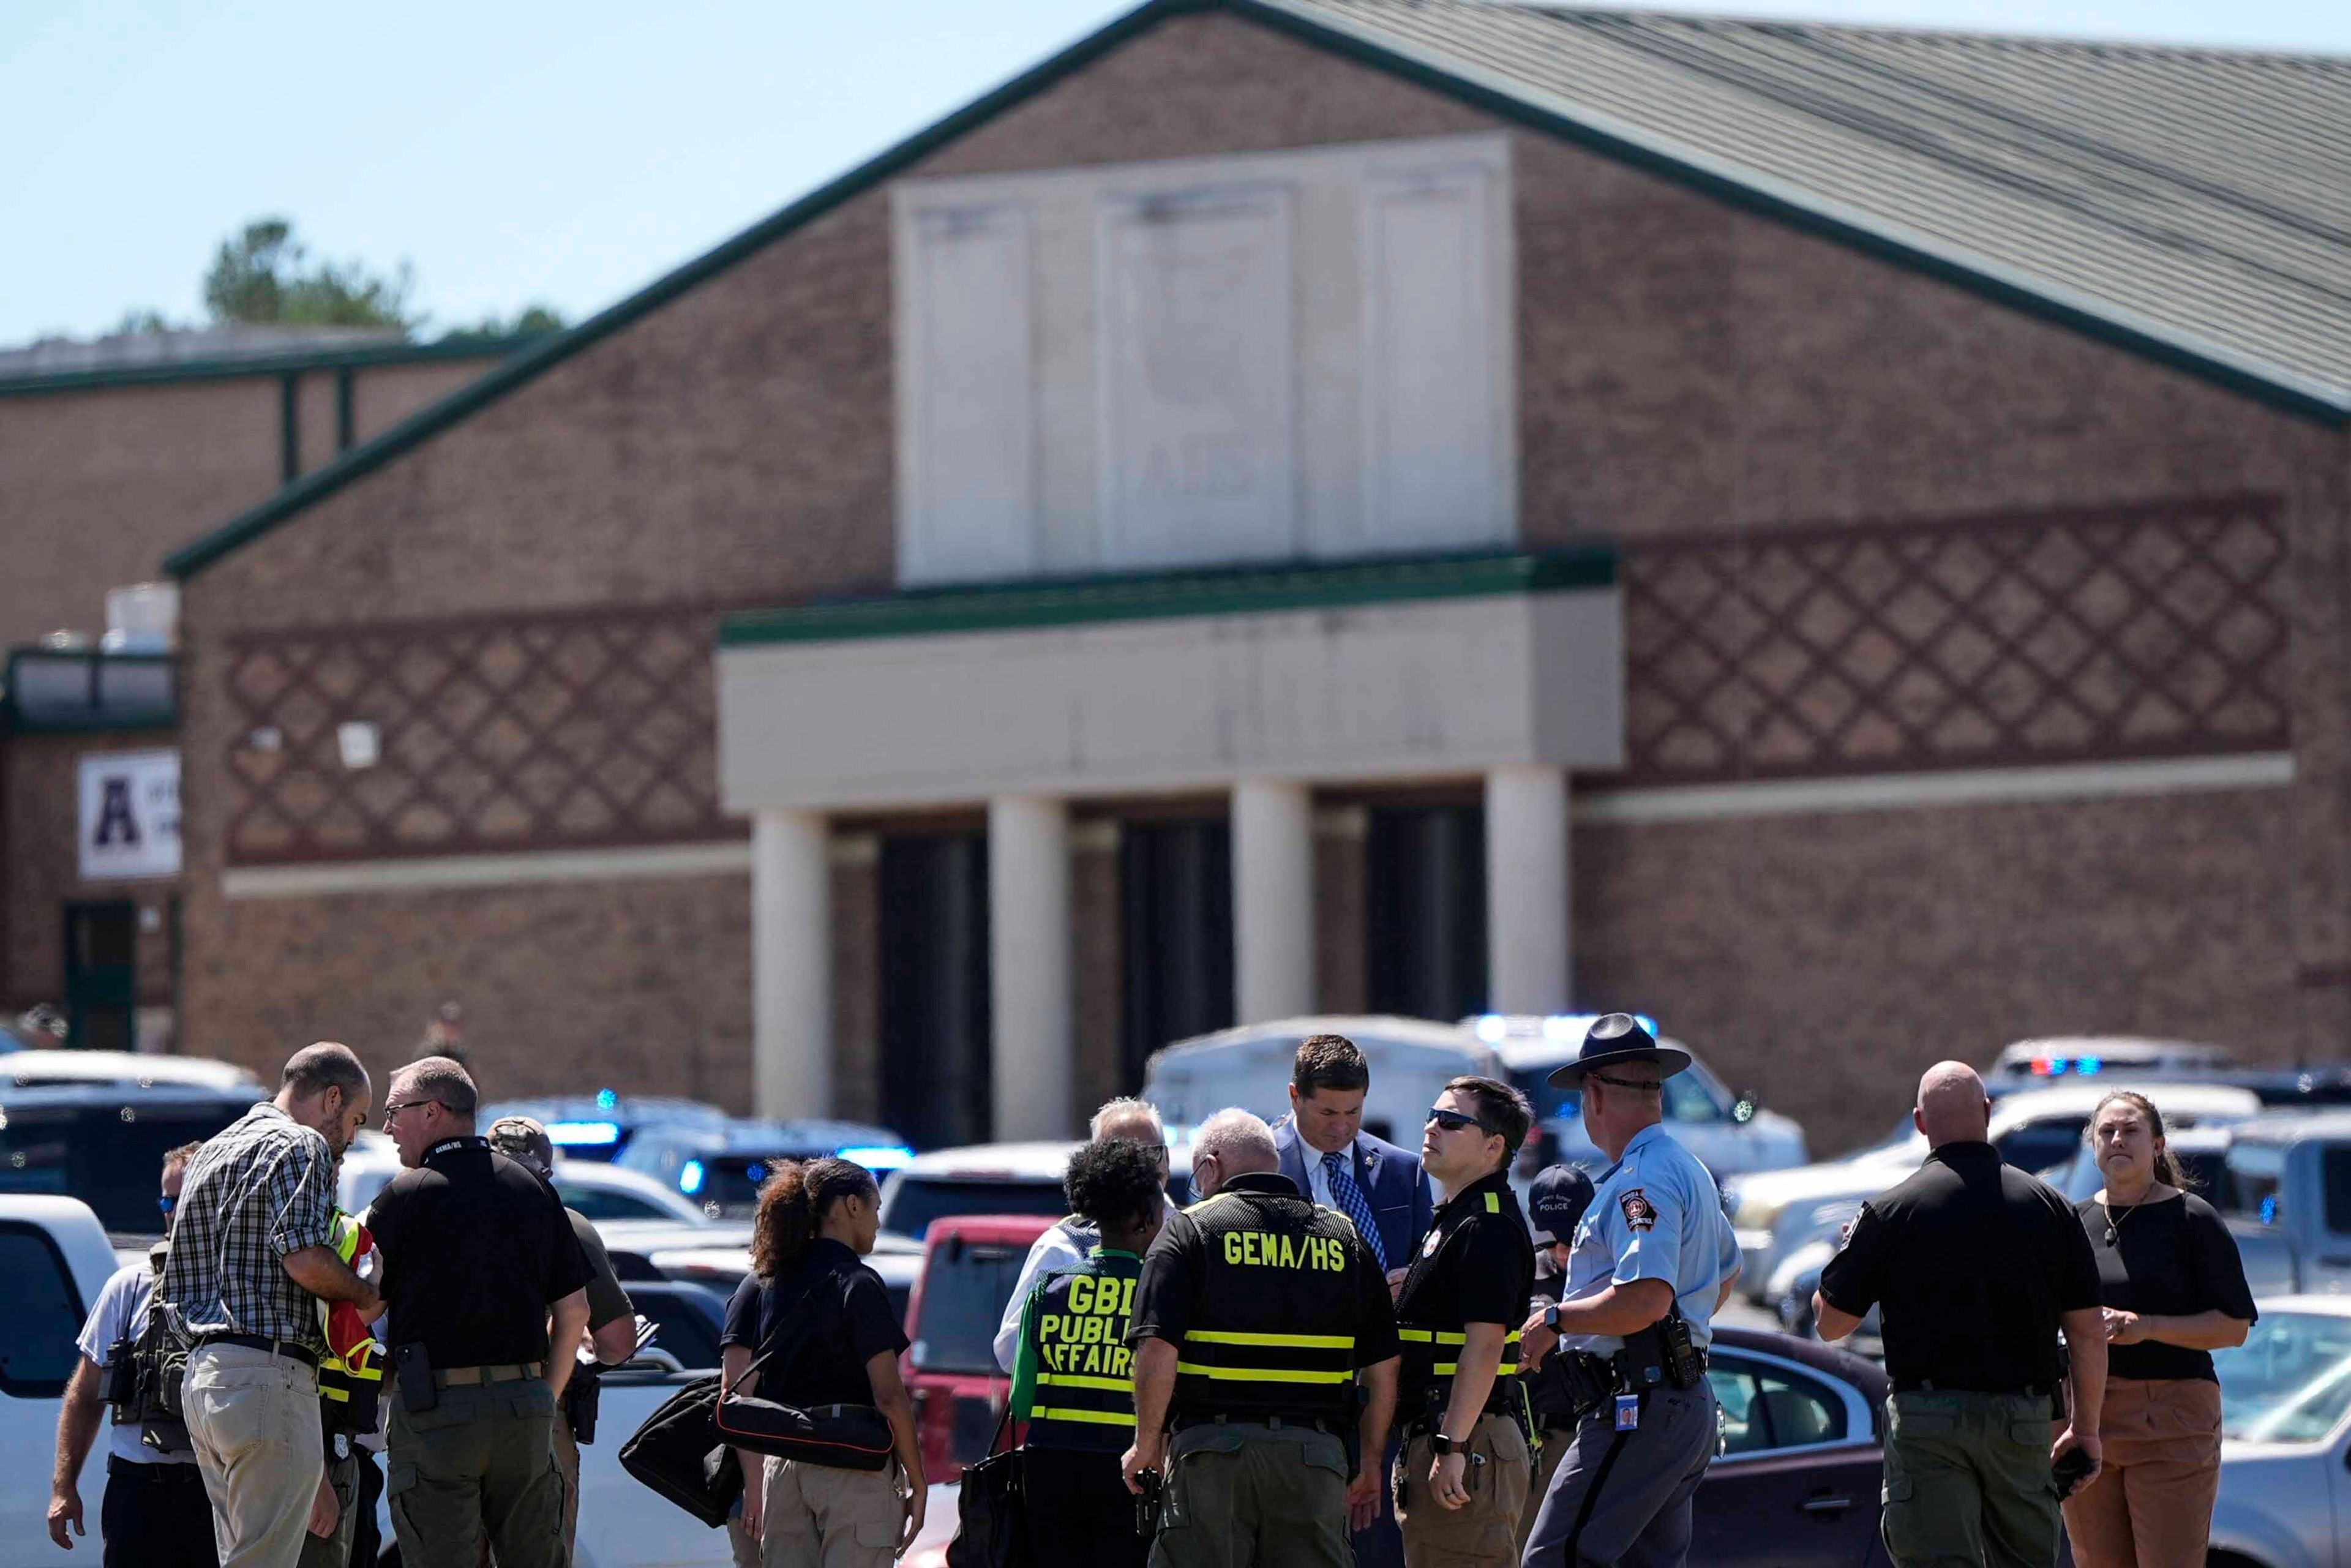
{"x": 1653, "y": 1260}
{"x": 476, "y": 1250}
{"x": 1073, "y": 1376}
{"x": 612, "y": 1317}
{"x": 1257, "y": 1313}
{"x": 1977, "y": 1268}
{"x": 1461, "y": 1481}
{"x": 155, "y": 1513}
{"x": 1556, "y": 1200}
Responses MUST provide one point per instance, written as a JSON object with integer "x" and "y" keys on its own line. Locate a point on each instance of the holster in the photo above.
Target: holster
{"x": 581, "y": 1397}
{"x": 1661, "y": 1354}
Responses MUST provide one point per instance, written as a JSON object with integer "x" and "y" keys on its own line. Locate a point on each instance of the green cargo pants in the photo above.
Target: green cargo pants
{"x": 1242, "y": 1494}
{"x": 1967, "y": 1482}
{"x": 478, "y": 1463}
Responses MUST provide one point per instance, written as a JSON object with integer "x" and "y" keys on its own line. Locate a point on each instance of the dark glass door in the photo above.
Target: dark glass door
{"x": 934, "y": 1009}
{"x": 102, "y": 975}
{"x": 1176, "y": 887}
{"x": 1424, "y": 870}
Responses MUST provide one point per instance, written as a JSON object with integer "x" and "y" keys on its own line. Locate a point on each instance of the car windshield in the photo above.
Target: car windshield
{"x": 2290, "y": 1382}
{"x": 109, "y": 1154}
{"x": 600, "y": 1203}
{"x": 965, "y": 1287}
{"x": 913, "y": 1201}
{"x": 2037, "y": 1145}
{"x": 2256, "y": 1175}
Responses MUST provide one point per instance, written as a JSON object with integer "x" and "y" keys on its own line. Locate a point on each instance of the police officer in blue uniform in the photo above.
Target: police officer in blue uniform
{"x": 1653, "y": 1256}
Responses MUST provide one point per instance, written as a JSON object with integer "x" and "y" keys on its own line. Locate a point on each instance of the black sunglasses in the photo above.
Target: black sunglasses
{"x": 1454, "y": 1120}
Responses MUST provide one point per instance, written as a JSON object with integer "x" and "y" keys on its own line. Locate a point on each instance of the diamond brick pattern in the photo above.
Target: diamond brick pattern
{"x": 577, "y": 730}
{"x": 2059, "y": 637}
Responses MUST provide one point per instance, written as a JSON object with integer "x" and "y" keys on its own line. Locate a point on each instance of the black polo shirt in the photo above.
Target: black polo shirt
{"x": 1477, "y": 1265}
{"x": 1971, "y": 1262}
{"x": 476, "y": 1248}
{"x": 821, "y": 1361}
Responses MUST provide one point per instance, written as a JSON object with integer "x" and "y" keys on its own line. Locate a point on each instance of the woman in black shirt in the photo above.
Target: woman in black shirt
{"x": 815, "y": 1221}
{"x": 2174, "y": 1291}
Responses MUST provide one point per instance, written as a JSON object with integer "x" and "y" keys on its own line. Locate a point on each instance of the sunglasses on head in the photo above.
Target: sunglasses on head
{"x": 1454, "y": 1120}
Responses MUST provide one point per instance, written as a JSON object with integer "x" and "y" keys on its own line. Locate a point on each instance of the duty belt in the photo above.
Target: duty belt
{"x": 1278, "y": 1423}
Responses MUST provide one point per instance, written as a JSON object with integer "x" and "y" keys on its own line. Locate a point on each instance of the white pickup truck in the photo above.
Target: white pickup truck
{"x": 54, "y": 1258}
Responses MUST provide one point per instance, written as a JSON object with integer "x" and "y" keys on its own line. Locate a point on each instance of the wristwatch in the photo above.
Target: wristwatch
{"x": 1551, "y": 1317}
{"x": 1441, "y": 1445}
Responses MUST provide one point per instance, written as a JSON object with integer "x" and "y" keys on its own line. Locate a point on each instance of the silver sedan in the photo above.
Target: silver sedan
{"x": 2285, "y": 1425}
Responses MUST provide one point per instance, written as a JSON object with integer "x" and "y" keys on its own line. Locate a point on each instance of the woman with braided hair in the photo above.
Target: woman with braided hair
{"x": 822, "y": 1321}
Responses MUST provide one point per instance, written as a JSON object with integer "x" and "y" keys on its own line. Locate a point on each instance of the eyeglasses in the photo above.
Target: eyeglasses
{"x": 397, "y": 1106}
{"x": 1627, "y": 1083}
{"x": 1454, "y": 1120}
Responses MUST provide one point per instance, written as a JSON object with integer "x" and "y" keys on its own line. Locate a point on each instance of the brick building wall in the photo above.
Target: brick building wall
{"x": 98, "y": 485}
{"x": 1683, "y": 366}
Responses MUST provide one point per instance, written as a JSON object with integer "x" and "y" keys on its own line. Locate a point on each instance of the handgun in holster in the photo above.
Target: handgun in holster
{"x": 581, "y": 1397}
{"x": 1146, "y": 1504}
{"x": 1661, "y": 1354}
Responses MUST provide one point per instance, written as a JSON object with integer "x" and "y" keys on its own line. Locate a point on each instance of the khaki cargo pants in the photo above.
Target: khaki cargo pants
{"x": 1967, "y": 1480}
{"x": 481, "y": 1462}
{"x": 817, "y": 1516}
{"x": 1484, "y": 1531}
{"x": 1244, "y": 1494}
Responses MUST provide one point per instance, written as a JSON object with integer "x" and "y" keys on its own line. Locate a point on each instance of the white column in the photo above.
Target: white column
{"x": 1273, "y": 899}
{"x": 792, "y": 965}
{"x": 1030, "y": 1056}
{"x": 1527, "y": 890}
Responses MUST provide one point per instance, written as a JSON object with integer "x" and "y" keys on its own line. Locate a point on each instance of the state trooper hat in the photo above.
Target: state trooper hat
{"x": 1614, "y": 1038}
{"x": 1556, "y": 1199}
{"x": 523, "y": 1140}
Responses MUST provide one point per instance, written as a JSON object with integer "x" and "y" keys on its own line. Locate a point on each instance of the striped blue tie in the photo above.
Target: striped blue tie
{"x": 1351, "y": 1204}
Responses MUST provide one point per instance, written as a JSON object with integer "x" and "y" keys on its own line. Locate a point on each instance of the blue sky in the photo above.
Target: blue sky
{"x": 520, "y": 152}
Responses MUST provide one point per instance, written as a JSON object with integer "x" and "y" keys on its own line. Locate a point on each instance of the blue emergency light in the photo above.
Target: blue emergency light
{"x": 689, "y": 1177}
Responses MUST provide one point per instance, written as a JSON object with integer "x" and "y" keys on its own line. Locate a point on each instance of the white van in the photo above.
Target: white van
{"x": 1411, "y": 1060}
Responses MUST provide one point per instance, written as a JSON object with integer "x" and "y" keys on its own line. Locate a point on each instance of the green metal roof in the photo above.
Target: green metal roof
{"x": 293, "y": 362}
{"x": 1814, "y": 140}
{"x": 1237, "y": 591}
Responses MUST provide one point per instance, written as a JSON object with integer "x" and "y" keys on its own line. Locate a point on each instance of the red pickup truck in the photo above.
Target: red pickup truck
{"x": 970, "y": 1264}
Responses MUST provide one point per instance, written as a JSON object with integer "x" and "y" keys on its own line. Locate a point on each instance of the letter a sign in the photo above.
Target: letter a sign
{"x": 129, "y": 815}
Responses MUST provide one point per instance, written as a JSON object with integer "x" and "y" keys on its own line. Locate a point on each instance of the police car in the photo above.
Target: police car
{"x": 721, "y": 1167}
{"x": 599, "y": 1126}
{"x": 1729, "y": 1132}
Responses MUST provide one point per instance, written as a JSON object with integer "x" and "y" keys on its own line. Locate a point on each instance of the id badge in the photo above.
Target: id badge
{"x": 1628, "y": 1412}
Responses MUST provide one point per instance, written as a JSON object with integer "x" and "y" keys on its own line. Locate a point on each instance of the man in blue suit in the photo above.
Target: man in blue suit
{"x": 1325, "y": 1151}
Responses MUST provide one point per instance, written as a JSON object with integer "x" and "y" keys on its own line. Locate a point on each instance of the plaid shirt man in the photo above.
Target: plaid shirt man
{"x": 264, "y": 1188}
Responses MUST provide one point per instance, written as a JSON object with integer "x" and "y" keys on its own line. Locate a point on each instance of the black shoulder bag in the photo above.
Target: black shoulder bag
{"x": 992, "y": 1524}
{"x": 842, "y": 1436}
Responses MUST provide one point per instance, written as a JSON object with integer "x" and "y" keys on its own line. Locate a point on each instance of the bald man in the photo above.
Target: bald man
{"x": 1975, "y": 1266}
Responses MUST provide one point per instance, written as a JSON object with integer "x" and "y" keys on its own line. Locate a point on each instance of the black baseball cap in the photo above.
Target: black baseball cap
{"x": 1556, "y": 1199}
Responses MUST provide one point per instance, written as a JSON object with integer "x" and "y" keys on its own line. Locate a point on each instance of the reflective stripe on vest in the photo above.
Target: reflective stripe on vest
{"x": 1271, "y": 1261}
{"x": 1423, "y": 1364}
{"x": 338, "y": 1376}
{"x": 1085, "y": 1374}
